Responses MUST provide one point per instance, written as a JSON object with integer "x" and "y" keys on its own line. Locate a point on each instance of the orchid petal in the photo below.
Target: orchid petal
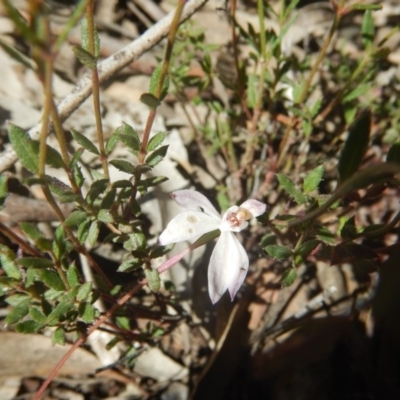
{"x": 228, "y": 267}
{"x": 192, "y": 200}
{"x": 255, "y": 207}
{"x": 188, "y": 225}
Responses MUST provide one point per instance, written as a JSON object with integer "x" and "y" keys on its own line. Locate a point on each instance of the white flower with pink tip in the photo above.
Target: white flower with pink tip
{"x": 229, "y": 261}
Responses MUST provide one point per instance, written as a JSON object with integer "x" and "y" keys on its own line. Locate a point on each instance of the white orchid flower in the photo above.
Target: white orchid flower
{"x": 229, "y": 261}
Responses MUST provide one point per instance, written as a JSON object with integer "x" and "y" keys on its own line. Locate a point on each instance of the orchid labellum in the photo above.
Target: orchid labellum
{"x": 229, "y": 261}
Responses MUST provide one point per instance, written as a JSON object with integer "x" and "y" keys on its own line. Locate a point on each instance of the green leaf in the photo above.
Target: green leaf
{"x": 31, "y": 230}
{"x": 288, "y": 185}
{"x": 37, "y": 315}
{"x": 111, "y": 142}
{"x": 160, "y": 251}
{"x": 35, "y": 262}
{"x": 109, "y": 199}
{"x": 124, "y": 166}
{"x": 349, "y": 229}
{"x": 313, "y": 179}
{"x": 87, "y": 312}
{"x": 16, "y": 299}
{"x": 288, "y": 277}
{"x": 123, "y": 322}
{"x": 85, "y": 38}
{"x": 83, "y": 231}
{"x": 76, "y": 157}
{"x": 84, "y": 291}
{"x": 30, "y": 326}
{"x": 307, "y": 247}
{"x": 105, "y": 216}
{"x": 278, "y": 252}
{"x": 58, "y": 336}
{"x": 155, "y": 141}
{"x": 21, "y": 144}
{"x": 356, "y": 93}
{"x": 18, "y": 312}
{"x": 52, "y": 280}
{"x": 156, "y": 156}
{"x": 7, "y": 259}
{"x": 326, "y": 236}
{"x": 97, "y": 188}
{"x": 60, "y": 311}
{"x": 153, "y": 279}
{"x": 136, "y": 241}
{"x": 53, "y": 157}
{"x": 355, "y": 147}
{"x": 85, "y": 142}
{"x": 75, "y": 218}
{"x": 128, "y": 136}
{"x": 72, "y": 276}
{"x": 130, "y": 265}
{"x": 150, "y": 100}
{"x": 93, "y": 233}
{"x": 85, "y": 57}
{"x": 368, "y": 29}
{"x": 59, "y": 243}
{"x": 154, "y": 181}
{"x": 154, "y": 80}
{"x": 394, "y": 153}
{"x": 3, "y": 189}
{"x": 61, "y": 189}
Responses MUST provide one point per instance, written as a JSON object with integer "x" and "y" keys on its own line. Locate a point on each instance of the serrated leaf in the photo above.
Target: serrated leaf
{"x": 108, "y": 199}
{"x": 123, "y": 183}
{"x": 53, "y": 157}
{"x": 18, "y": 312}
{"x": 72, "y": 276}
{"x": 394, "y": 153}
{"x": 325, "y": 235}
{"x": 87, "y": 312}
{"x": 58, "y": 337}
{"x": 111, "y": 143}
{"x": 155, "y": 141}
{"x": 136, "y": 241}
{"x": 96, "y": 189}
{"x": 156, "y": 156}
{"x": 153, "y": 279}
{"x": 60, "y": 311}
{"x": 75, "y": 218}
{"x": 160, "y": 251}
{"x": 278, "y": 252}
{"x": 93, "y": 233}
{"x": 84, "y": 291}
{"x": 124, "y": 166}
{"x": 35, "y": 262}
{"x": 83, "y": 231}
{"x": 288, "y": 277}
{"x": 85, "y": 142}
{"x": 105, "y": 216}
{"x": 85, "y": 38}
{"x": 154, "y": 80}
{"x": 52, "y": 280}
{"x": 7, "y": 259}
{"x": 30, "y": 326}
{"x": 154, "y": 181}
{"x": 289, "y": 186}
{"x": 59, "y": 243}
{"x": 129, "y": 265}
{"x": 37, "y": 315}
{"x": 21, "y": 144}
{"x": 85, "y": 57}
{"x": 355, "y": 147}
{"x": 31, "y": 230}
{"x": 313, "y": 179}
{"x": 76, "y": 157}
{"x": 307, "y": 247}
{"x": 128, "y": 136}
{"x": 16, "y": 299}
